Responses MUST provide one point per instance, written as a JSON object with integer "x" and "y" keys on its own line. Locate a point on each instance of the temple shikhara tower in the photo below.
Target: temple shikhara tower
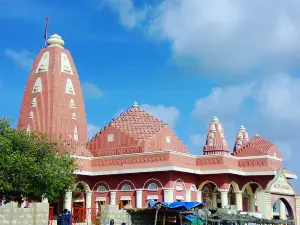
{"x": 136, "y": 157}
{"x": 53, "y": 101}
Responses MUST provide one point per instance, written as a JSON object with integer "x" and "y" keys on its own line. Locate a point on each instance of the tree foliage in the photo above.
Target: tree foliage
{"x": 33, "y": 165}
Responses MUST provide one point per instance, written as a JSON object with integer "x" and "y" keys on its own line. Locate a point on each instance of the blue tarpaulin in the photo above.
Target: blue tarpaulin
{"x": 194, "y": 219}
{"x": 191, "y": 217}
{"x": 176, "y": 205}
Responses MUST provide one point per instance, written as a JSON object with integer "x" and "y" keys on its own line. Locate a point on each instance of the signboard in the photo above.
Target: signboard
{"x": 281, "y": 186}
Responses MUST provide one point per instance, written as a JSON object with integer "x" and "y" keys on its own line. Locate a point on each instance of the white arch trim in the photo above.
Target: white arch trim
{"x": 235, "y": 186}
{"x": 248, "y": 188}
{"x": 124, "y": 181}
{"x": 98, "y": 184}
{"x": 153, "y": 179}
{"x": 206, "y": 182}
{"x": 179, "y": 180}
{"x": 193, "y": 186}
{"x": 85, "y": 185}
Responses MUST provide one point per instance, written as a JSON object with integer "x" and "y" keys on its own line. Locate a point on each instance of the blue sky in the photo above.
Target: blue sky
{"x": 183, "y": 61}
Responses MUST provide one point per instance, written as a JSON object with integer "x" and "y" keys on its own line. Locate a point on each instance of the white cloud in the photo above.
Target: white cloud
{"x": 222, "y": 35}
{"x": 274, "y": 112}
{"x": 129, "y": 16}
{"x": 170, "y": 115}
{"x": 222, "y": 101}
{"x": 231, "y": 35}
{"x": 278, "y": 98}
{"x": 23, "y": 59}
{"x": 92, "y": 130}
{"x": 91, "y": 90}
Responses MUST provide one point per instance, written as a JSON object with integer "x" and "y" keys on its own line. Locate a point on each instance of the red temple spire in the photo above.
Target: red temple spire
{"x": 215, "y": 141}
{"x": 242, "y": 138}
{"x": 53, "y": 101}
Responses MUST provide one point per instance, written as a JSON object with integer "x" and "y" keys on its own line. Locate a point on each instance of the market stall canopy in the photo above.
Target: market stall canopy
{"x": 177, "y": 205}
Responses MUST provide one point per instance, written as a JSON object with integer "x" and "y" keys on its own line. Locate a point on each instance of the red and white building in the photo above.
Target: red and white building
{"x": 137, "y": 157}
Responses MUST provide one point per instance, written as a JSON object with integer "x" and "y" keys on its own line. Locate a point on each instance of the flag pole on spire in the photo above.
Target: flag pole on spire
{"x": 46, "y": 32}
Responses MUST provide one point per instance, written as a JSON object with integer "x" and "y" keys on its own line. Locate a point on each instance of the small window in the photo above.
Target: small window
{"x": 74, "y": 116}
{"x": 30, "y": 115}
{"x": 33, "y": 102}
{"x": 179, "y": 187}
{"x": 126, "y": 187}
{"x": 72, "y": 103}
{"x": 37, "y": 86}
{"x": 101, "y": 189}
{"x": 69, "y": 87}
{"x": 168, "y": 139}
{"x": 43, "y": 64}
{"x": 193, "y": 187}
{"x": 75, "y": 134}
{"x": 28, "y": 128}
{"x": 110, "y": 138}
{"x": 152, "y": 186}
{"x": 65, "y": 64}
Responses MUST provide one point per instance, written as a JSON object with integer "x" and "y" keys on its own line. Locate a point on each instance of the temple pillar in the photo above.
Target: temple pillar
{"x": 68, "y": 201}
{"x": 139, "y": 198}
{"x": 188, "y": 196}
{"x": 264, "y": 205}
{"x": 199, "y": 196}
{"x": 282, "y": 212}
{"x": 239, "y": 201}
{"x": 168, "y": 195}
{"x": 88, "y": 205}
{"x": 113, "y": 195}
{"x": 224, "y": 198}
{"x": 214, "y": 200}
{"x": 252, "y": 203}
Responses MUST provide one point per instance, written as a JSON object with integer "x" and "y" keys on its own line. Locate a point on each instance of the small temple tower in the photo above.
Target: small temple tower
{"x": 216, "y": 142}
{"x": 242, "y": 138}
{"x": 53, "y": 101}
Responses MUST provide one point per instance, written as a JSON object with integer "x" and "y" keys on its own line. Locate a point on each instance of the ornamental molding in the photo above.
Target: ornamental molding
{"x": 253, "y": 162}
{"x": 211, "y": 161}
{"x": 135, "y": 160}
{"x": 117, "y": 151}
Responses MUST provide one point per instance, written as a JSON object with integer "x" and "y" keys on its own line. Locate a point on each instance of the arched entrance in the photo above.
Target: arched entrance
{"x": 78, "y": 204}
{"x": 282, "y": 209}
{"x": 210, "y": 194}
{"x": 81, "y": 202}
{"x": 249, "y": 191}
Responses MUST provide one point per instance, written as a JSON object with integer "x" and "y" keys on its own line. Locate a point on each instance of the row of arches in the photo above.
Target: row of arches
{"x": 179, "y": 185}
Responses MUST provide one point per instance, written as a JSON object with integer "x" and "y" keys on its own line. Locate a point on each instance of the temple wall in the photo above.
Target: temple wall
{"x": 100, "y": 146}
{"x": 179, "y": 185}
{"x": 36, "y": 213}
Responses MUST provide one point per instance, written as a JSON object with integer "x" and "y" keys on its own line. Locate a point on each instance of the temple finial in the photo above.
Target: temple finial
{"x": 55, "y": 40}
{"x": 134, "y": 105}
{"x": 215, "y": 120}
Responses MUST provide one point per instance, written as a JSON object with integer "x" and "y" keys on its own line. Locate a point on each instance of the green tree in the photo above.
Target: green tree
{"x": 33, "y": 165}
